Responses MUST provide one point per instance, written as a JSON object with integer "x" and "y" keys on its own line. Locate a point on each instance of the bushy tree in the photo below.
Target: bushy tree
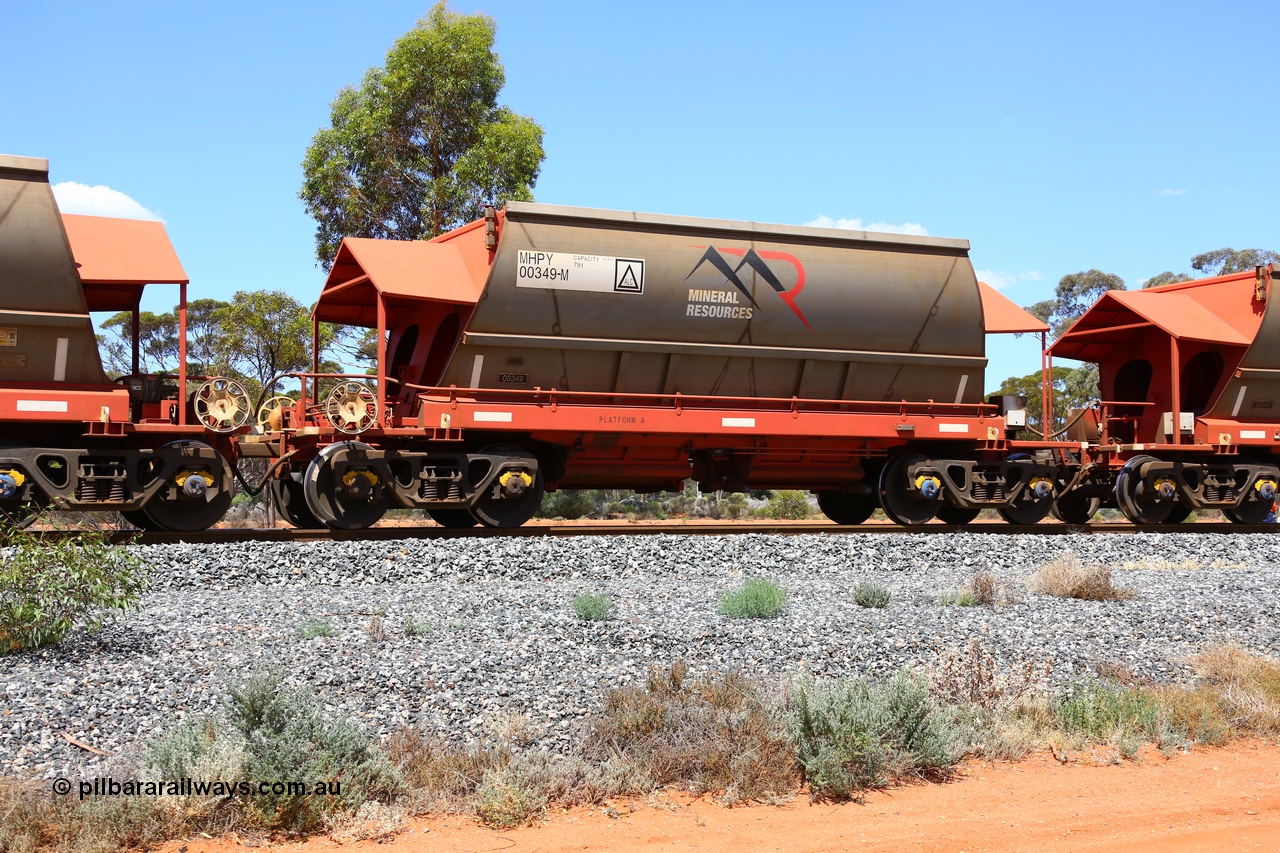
{"x": 422, "y": 144}
{"x": 157, "y": 342}
{"x": 268, "y": 332}
{"x": 1073, "y": 387}
{"x": 1228, "y": 260}
{"x": 1166, "y": 277}
{"x": 1073, "y": 296}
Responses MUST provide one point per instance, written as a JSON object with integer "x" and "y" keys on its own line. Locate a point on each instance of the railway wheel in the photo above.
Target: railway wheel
{"x": 137, "y": 518}
{"x": 291, "y": 501}
{"x": 15, "y": 511}
{"x": 1074, "y": 508}
{"x": 514, "y": 497}
{"x": 1139, "y": 503}
{"x": 454, "y": 519}
{"x": 957, "y": 515}
{"x": 903, "y": 501}
{"x": 844, "y": 508}
{"x": 1179, "y": 514}
{"x": 1261, "y": 500}
{"x": 1033, "y": 503}
{"x": 203, "y": 493}
{"x": 1249, "y": 512}
{"x": 355, "y": 500}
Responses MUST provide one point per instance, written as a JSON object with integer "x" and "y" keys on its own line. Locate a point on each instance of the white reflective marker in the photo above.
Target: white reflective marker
{"x": 42, "y": 405}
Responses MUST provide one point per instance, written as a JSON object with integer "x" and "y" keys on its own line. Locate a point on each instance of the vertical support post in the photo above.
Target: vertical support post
{"x": 382, "y": 359}
{"x": 1176, "y": 376}
{"x": 182, "y": 353}
{"x": 1046, "y": 388}
{"x": 137, "y": 330}
{"x": 314, "y": 381}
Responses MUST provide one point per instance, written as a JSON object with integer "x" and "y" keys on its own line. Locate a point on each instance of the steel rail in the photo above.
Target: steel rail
{"x": 392, "y": 533}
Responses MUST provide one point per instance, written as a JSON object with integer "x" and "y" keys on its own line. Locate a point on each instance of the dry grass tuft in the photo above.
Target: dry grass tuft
{"x": 715, "y": 735}
{"x": 1159, "y": 564}
{"x": 1122, "y": 674}
{"x": 28, "y": 819}
{"x": 1248, "y": 684}
{"x": 1067, "y": 577}
{"x": 445, "y": 775}
{"x": 973, "y": 676}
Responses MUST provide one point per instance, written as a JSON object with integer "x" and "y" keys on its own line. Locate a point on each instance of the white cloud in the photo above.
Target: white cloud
{"x": 99, "y": 201}
{"x": 1174, "y": 192}
{"x": 913, "y": 228}
{"x": 999, "y": 279}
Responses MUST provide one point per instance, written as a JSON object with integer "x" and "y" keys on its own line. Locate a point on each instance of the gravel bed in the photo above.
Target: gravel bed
{"x": 500, "y": 635}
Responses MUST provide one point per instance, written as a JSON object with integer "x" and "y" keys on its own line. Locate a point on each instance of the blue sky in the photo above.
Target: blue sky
{"x": 1054, "y": 137}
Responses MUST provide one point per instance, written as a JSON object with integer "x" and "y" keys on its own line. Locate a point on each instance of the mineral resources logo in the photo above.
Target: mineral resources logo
{"x": 705, "y": 303}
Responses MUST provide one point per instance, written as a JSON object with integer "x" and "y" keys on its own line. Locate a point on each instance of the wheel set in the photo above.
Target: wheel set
{"x": 345, "y": 487}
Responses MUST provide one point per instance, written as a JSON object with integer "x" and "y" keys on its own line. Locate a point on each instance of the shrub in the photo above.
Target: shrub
{"x": 1104, "y": 711}
{"x": 286, "y": 736}
{"x": 871, "y": 594}
{"x": 444, "y": 773}
{"x": 1067, "y": 577}
{"x": 853, "y": 735}
{"x": 788, "y": 504}
{"x": 50, "y": 585}
{"x": 716, "y": 735}
{"x": 309, "y": 629}
{"x": 570, "y": 504}
{"x": 507, "y": 801}
{"x": 963, "y": 598}
{"x": 592, "y": 607}
{"x": 1248, "y": 684}
{"x": 985, "y": 588}
{"x": 759, "y": 598}
{"x": 414, "y": 627}
{"x": 377, "y": 629}
{"x": 973, "y": 676}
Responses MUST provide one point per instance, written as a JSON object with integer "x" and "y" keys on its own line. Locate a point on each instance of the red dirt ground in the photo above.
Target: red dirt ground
{"x": 1210, "y": 801}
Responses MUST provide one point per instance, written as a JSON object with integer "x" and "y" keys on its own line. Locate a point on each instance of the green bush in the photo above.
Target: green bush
{"x": 286, "y": 736}
{"x": 415, "y": 627}
{"x": 759, "y": 598}
{"x": 570, "y": 504}
{"x": 592, "y": 607}
{"x": 1106, "y": 711}
{"x": 871, "y": 594}
{"x": 49, "y": 585}
{"x": 309, "y": 629}
{"x": 853, "y": 735}
{"x": 788, "y": 504}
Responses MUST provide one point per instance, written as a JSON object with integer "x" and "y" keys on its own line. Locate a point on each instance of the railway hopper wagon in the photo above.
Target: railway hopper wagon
{"x": 155, "y": 447}
{"x": 546, "y": 347}
{"x": 1189, "y": 419}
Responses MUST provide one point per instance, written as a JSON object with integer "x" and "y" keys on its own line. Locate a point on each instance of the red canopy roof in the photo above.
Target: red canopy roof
{"x": 401, "y": 270}
{"x": 1001, "y": 315}
{"x": 1219, "y": 310}
{"x": 118, "y": 257}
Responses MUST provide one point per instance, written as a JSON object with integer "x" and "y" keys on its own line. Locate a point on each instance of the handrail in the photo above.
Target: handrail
{"x": 679, "y": 399}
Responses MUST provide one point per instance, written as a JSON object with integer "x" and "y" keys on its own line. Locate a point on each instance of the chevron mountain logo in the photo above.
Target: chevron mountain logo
{"x": 757, "y": 262}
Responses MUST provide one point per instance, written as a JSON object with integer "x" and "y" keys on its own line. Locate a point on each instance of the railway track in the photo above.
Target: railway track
{"x": 374, "y": 534}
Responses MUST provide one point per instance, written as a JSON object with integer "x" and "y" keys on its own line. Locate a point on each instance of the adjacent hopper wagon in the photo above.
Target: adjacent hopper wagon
{"x": 70, "y": 436}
